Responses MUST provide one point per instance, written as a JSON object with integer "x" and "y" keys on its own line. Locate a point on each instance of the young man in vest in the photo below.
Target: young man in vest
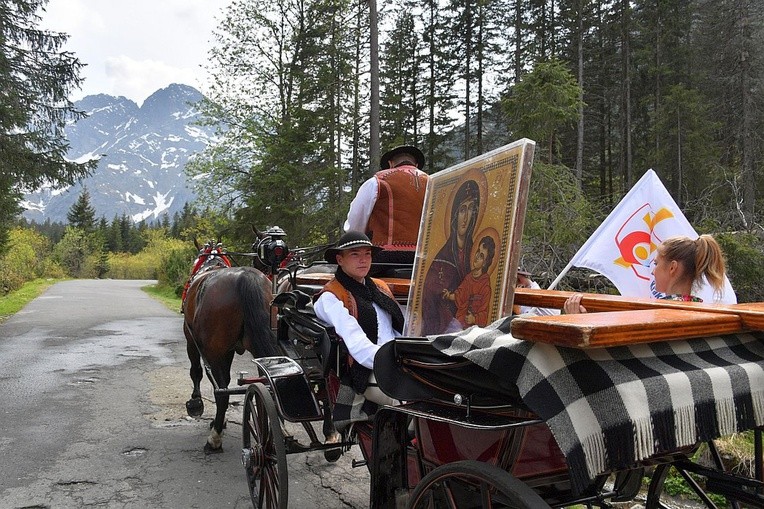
{"x": 361, "y": 309}
{"x": 388, "y": 206}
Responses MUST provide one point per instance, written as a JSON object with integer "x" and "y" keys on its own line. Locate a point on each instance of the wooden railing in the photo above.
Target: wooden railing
{"x": 613, "y": 319}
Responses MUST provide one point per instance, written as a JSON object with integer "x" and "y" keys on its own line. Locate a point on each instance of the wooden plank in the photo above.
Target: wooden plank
{"x": 595, "y": 330}
{"x": 751, "y": 314}
{"x": 399, "y": 286}
{"x": 314, "y": 278}
{"x": 746, "y": 316}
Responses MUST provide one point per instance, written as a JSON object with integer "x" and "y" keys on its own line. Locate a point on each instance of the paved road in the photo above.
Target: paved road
{"x": 93, "y": 379}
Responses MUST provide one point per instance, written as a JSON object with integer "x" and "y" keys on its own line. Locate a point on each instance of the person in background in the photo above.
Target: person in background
{"x": 388, "y": 206}
{"x": 524, "y": 281}
{"x": 678, "y": 269}
{"x": 361, "y": 309}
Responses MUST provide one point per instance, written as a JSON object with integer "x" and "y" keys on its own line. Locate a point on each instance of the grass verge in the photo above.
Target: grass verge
{"x": 165, "y": 295}
{"x": 13, "y": 302}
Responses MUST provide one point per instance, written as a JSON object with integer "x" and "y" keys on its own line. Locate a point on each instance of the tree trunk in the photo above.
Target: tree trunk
{"x": 467, "y": 77}
{"x": 580, "y": 137}
{"x": 626, "y": 155}
{"x": 431, "y": 100}
{"x": 518, "y": 39}
{"x": 746, "y": 142}
{"x": 374, "y": 71}
{"x": 356, "y": 158}
{"x": 678, "y": 193}
{"x": 480, "y": 50}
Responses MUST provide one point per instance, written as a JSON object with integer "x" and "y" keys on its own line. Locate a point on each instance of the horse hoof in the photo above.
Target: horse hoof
{"x": 208, "y": 449}
{"x": 195, "y": 407}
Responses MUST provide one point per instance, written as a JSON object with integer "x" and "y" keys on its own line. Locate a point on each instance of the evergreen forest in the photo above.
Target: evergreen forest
{"x": 607, "y": 90}
{"x": 308, "y": 94}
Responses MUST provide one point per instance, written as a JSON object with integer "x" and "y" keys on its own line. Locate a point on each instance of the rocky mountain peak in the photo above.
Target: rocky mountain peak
{"x": 143, "y": 151}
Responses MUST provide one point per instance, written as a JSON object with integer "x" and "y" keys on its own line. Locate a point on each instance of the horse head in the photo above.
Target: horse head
{"x": 271, "y": 250}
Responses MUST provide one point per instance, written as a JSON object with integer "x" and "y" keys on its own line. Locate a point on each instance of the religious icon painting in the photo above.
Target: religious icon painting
{"x": 469, "y": 242}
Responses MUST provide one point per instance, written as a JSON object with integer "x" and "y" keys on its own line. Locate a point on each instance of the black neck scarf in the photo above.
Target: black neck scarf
{"x": 365, "y": 294}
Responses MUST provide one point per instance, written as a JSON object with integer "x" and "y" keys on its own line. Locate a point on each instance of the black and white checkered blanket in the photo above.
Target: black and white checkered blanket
{"x": 609, "y": 408}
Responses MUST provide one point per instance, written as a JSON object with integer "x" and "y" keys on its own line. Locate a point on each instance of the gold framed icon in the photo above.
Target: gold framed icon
{"x": 469, "y": 242}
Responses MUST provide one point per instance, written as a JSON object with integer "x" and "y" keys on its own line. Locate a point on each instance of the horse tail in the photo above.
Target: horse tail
{"x": 253, "y": 290}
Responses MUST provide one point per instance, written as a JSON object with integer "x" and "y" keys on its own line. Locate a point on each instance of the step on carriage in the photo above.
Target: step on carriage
{"x": 471, "y": 435}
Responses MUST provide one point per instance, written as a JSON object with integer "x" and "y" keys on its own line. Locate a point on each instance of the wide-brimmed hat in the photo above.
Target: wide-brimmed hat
{"x": 349, "y": 240}
{"x": 384, "y": 162}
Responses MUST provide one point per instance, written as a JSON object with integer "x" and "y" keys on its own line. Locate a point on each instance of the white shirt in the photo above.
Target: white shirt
{"x": 360, "y": 207}
{"x": 332, "y": 311}
{"x": 524, "y": 310}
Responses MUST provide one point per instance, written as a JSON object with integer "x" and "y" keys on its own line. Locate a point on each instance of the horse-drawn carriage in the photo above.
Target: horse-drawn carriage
{"x": 576, "y": 415}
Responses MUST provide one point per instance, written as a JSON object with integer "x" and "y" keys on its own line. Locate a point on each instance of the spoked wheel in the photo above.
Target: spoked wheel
{"x": 264, "y": 454}
{"x": 656, "y": 495}
{"x": 472, "y": 484}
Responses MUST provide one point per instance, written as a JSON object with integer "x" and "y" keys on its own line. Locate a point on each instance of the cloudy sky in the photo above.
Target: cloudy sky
{"x": 133, "y": 48}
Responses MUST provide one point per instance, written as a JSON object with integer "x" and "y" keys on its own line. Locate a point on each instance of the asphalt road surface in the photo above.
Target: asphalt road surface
{"x": 93, "y": 384}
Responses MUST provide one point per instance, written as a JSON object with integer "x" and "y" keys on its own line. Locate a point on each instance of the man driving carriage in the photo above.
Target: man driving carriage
{"x": 388, "y": 206}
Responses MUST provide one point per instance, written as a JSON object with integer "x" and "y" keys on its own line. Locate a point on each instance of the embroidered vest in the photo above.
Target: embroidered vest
{"x": 394, "y": 220}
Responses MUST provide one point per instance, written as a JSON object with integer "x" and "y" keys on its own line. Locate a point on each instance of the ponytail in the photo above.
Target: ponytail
{"x": 709, "y": 262}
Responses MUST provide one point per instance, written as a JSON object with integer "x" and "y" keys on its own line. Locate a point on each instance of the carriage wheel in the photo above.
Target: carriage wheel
{"x": 263, "y": 453}
{"x": 655, "y": 489}
{"x": 472, "y": 484}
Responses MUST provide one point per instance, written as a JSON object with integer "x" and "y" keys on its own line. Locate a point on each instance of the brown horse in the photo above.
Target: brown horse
{"x": 227, "y": 311}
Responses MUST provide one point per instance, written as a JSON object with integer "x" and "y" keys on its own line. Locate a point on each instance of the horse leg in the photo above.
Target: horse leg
{"x": 195, "y": 405}
{"x": 222, "y": 375}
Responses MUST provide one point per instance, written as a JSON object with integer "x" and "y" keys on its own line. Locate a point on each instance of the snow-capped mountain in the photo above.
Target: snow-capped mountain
{"x": 143, "y": 152}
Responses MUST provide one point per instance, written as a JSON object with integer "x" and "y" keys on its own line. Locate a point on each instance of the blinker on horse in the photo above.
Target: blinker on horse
{"x": 227, "y": 311}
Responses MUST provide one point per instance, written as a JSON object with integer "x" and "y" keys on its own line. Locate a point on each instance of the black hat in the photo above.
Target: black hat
{"x": 384, "y": 163}
{"x": 349, "y": 240}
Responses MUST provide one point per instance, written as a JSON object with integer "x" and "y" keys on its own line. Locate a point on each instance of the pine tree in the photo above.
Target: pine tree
{"x": 728, "y": 50}
{"x": 82, "y": 214}
{"x": 114, "y": 237}
{"x": 546, "y": 100}
{"x": 36, "y": 78}
{"x": 401, "y": 107}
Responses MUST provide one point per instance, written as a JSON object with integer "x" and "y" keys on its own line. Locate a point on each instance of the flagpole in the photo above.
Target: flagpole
{"x": 562, "y": 274}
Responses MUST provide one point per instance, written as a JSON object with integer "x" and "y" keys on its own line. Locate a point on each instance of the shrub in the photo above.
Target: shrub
{"x": 9, "y": 279}
{"x": 162, "y": 259}
{"x": 745, "y": 264}
{"x": 174, "y": 270}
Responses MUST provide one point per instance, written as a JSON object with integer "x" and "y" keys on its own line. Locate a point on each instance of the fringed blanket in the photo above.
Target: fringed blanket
{"x": 609, "y": 408}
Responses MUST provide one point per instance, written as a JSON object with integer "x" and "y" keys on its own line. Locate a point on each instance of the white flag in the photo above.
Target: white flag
{"x": 624, "y": 246}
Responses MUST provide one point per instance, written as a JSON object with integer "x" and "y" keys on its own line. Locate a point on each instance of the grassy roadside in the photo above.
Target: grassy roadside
{"x": 13, "y": 302}
{"x": 165, "y": 295}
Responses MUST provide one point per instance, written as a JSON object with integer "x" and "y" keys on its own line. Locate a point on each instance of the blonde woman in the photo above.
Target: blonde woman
{"x": 678, "y": 270}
